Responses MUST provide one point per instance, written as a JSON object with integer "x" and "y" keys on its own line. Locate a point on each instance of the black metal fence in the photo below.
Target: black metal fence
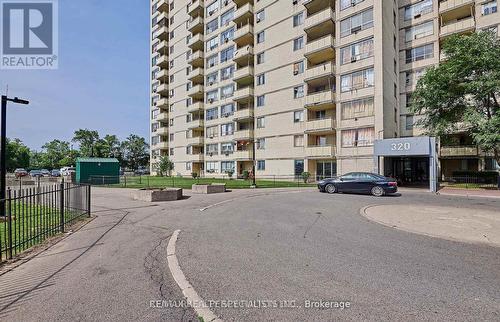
{"x": 29, "y": 216}
{"x": 472, "y": 182}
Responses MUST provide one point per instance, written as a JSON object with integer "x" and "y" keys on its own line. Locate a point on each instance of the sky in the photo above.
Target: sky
{"x": 103, "y": 78}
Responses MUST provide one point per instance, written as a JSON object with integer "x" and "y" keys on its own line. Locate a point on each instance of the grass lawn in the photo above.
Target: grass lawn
{"x": 186, "y": 183}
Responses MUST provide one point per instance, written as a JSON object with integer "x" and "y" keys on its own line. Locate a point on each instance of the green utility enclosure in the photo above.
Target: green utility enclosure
{"x": 97, "y": 170}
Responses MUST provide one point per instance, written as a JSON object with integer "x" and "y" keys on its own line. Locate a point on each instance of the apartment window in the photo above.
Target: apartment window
{"x": 227, "y": 166}
{"x": 418, "y": 9}
{"x": 260, "y": 58}
{"x": 344, "y": 4}
{"x": 298, "y": 43}
{"x": 412, "y": 76}
{"x": 227, "y": 110}
{"x": 298, "y": 140}
{"x": 260, "y": 16}
{"x": 356, "y": 23}
{"x": 212, "y": 43}
{"x": 227, "y": 54}
{"x": 227, "y": 91}
{"x": 260, "y": 37}
{"x": 298, "y": 116}
{"x": 227, "y": 147}
{"x": 261, "y": 79}
{"x": 358, "y": 137}
{"x": 227, "y": 35}
{"x": 298, "y": 91}
{"x": 188, "y": 166}
{"x": 212, "y": 8}
{"x": 212, "y": 114}
{"x": 261, "y": 165}
{"x": 212, "y": 167}
{"x": 212, "y": 26}
{"x": 212, "y": 60}
{"x": 260, "y": 100}
{"x": 227, "y": 72}
{"x": 212, "y": 132}
{"x": 298, "y": 19}
{"x": 261, "y": 122}
{"x": 420, "y": 31}
{"x": 357, "y": 51}
{"x": 357, "y": 80}
{"x": 227, "y": 129}
{"x": 260, "y": 144}
{"x": 212, "y": 96}
{"x": 408, "y": 100}
{"x": 298, "y": 68}
{"x": 419, "y": 53}
{"x": 212, "y": 78}
{"x": 226, "y": 17}
{"x": 357, "y": 108}
{"x": 409, "y": 122}
{"x": 489, "y": 8}
{"x": 212, "y": 149}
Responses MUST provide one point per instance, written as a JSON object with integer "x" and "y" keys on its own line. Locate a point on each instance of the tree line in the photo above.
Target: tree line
{"x": 133, "y": 152}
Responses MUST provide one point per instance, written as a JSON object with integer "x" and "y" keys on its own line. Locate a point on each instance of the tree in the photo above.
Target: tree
{"x": 112, "y": 147}
{"x": 89, "y": 142}
{"x": 17, "y": 155}
{"x": 164, "y": 165}
{"x": 463, "y": 92}
{"x": 135, "y": 152}
{"x": 54, "y": 153}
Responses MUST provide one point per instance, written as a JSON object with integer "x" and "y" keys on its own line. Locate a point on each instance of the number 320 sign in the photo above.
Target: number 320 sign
{"x": 401, "y": 146}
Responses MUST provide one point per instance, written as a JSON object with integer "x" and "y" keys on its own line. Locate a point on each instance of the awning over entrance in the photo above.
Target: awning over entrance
{"x": 420, "y": 146}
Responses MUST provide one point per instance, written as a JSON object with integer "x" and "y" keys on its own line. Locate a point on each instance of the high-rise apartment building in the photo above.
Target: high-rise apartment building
{"x": 292, "y": 86}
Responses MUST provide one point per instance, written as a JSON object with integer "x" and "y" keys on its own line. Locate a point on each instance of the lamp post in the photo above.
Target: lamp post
{"x": 3, "y": 147}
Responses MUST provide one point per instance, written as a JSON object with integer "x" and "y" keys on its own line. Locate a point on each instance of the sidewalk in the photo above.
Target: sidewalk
{"x": 459, "y": 224}
{"x": 469, "y": 192}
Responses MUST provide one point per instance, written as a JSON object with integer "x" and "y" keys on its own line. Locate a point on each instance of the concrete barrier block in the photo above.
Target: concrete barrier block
{"x": 156, "y": 195}
{"x": 209, "y": 188}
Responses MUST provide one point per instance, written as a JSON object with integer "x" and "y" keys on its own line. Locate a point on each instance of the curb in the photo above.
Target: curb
{"x": 187, "y": 289}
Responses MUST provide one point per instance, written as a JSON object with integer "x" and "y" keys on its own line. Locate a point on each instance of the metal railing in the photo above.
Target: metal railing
{"x": 472, "y": 182}
{"x": 34, "y": 214}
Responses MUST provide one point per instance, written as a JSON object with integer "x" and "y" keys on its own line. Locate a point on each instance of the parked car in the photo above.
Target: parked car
{"x": 36, "y": 174}
{"x": 19, "y": 173}
{"x": 141, "y": 171}
{"x": 67, "y": 171}
{"x": 359, "y": 182}
{"x": 45, "y": 172}
{"x": 55, "y": 173}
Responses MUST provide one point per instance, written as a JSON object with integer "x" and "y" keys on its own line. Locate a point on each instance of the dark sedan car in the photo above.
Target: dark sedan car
{"x": 359, "y": 182}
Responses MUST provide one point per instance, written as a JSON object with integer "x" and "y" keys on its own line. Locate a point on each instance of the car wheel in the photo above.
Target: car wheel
{"x": 330, "y": 188}
{"x": 378, "y": 191}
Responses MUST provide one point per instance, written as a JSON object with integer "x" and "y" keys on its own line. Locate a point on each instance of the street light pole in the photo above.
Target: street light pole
{"x": 3, "y": 147}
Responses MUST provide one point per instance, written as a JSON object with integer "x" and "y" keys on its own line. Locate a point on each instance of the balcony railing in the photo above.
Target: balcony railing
{"x": 452, "y": 4}
{"x": 195, "y": 141}
{"x": 243, "y": 134}
{"x": 243, "y": 53}
{"x": 458, "y": 26}
{"x": 196, "y": 7}
{"x": 321, "y": 98}
{"x": 162, "y": 131}
{"x": 243, "y": 155}
{"x": 243, "y": 93}
{"x": 195, "y": 107}
{"x": 243, "y": 12}
{"x": 320, "y": 71}
{"x": 162, "y": 117}
{"x": 194, "y": 124}
{"x": 318, "y": 18}
{"x": 243, "y": 73}
{"x": 243, "y": 114}
{"x": 327, "y": 124}
{"x": 162, "y": 103}
{"x": 326, "y": 43}
{"x": 325, "y": 151}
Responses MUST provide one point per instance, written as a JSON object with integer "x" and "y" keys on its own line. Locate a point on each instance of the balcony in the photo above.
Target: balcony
{"x": 162, "y": 117}
{"x": 195, "y": 26}
{"x": 195, "y": 107}
{"x": 243, "y": 95}
{"x": 162, "y": 61}
{"x": 320, "y": 23}
{"x": 244, "y": 75}
{"x": 459, "y": 151}
{"x": 195, "y": 124}
{"x": 243, "y": 114}
{"x": 320, "y": 152}
{"x": 196, "y": 75}
{"x": 320, "y": 71}
{"x": 195, "y": 141}
{"x": 196, "y": 8}
{"x": 162, "y": 6}
{"x": 162, "y": 103}
{"x": 326, "y": 125}
{"x": 162, "y": 74}
{"x": 162, "y": 47}
{"x": 196, "y": 92}
{"x": 196, "y": 42}
{"x": 243, "y": 155}
{"x": 243, "y": 55}
{"x": 162, "y": 89}
{"x": 243, "y": 14}
{"x": 459, "y": 26}
{"x": 198, "y": 157}
{"x": 161, "y": 146}
{"x": 320, "y": 100}
{"x": 244, "y": 35}
{"x": 161, "y": 33}
{"x": 162, "y": 131}
{"x": 243, "y": 135}
{"x": 197, "y": 59}
{"x": 320, "y": 50}
{"x": 454, "y": 4}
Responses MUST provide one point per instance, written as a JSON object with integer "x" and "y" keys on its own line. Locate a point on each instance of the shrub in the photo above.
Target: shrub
{"x": 194, "y": 175}
{"x": 246, "y": 174}
{"x": 305, "y": 176}
{"x": 230, "y": 174}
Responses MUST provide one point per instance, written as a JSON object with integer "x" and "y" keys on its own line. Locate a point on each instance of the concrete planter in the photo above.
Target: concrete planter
{"x": 209, "y": 188}
{"x": 155, "y": 195}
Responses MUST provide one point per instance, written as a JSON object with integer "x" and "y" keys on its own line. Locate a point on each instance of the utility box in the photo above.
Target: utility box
{"x": 97, "y": 171}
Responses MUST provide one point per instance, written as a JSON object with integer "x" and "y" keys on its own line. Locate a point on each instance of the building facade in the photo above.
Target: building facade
{"x": 299, "y": 85}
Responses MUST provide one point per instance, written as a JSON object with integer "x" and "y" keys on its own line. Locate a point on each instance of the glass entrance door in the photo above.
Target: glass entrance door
{"x": 325, "y": 169}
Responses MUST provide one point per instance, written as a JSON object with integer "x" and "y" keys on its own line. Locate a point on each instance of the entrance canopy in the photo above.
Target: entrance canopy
{"x": 419, "y": 146}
